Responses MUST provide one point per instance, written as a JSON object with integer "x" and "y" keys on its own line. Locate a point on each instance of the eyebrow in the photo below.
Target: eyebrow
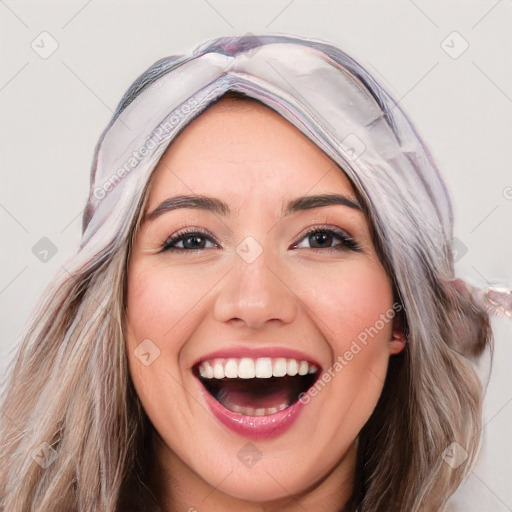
{"x": 215, "y": 205}
{"x": 317, "y": 201}
{"x": 210, "y": 204}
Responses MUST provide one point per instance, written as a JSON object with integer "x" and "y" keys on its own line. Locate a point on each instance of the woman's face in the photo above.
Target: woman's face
{"x": 241, "y": 293}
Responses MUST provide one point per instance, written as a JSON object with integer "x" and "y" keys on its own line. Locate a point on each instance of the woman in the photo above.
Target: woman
{"x": 262, "y": 314}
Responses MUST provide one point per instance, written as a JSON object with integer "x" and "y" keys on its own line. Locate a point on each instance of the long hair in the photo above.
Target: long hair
{"x": 74, "y": 434}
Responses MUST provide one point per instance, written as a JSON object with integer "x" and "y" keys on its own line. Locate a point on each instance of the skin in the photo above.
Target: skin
{"x": 317, "y": 300}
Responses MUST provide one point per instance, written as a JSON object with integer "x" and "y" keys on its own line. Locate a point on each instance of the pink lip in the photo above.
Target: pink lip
{"x": 253, "y": 352}
{"x": 255, "y": 427}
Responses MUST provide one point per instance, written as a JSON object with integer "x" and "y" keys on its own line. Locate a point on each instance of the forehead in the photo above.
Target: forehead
{"x": 242, "y": 148}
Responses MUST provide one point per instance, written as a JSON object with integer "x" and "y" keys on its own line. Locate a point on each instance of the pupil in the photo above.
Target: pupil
{"x": 196, "y": 242}
{"x": 320, "y": 236}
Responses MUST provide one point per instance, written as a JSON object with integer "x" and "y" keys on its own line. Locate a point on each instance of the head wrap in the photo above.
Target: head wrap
{"x": 318, "y": 88}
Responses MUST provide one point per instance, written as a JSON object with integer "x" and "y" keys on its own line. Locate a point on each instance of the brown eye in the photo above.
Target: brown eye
{"x": 328, "y": 238}
{"x": 320, "y": 240}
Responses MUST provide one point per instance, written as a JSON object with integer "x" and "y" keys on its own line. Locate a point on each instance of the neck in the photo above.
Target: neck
{"x": 177, "y": 487}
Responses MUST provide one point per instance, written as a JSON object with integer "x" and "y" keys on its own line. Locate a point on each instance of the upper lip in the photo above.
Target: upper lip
{"x": 238, "y": 352}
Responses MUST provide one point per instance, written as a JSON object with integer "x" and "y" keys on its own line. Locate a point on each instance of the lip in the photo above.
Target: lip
{"x": 255, "y": 427}
{"x": 256, "y": 352}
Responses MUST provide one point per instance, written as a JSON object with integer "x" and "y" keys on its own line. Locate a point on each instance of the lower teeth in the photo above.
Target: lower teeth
{"x": 252, "y": 411}
{"x": 258, "y": 397}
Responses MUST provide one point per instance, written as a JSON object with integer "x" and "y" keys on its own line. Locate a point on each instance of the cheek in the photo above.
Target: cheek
{"x": 353, "y": 308}
{"x": 163, "y": 306}
{"x": 157, "y": 307}
{"x": 162, "y": 302}
{"x": 349, "y": 300}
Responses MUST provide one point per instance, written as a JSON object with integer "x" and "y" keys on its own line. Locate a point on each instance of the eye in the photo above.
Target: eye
{"x": 326, "y": 238}
{"x": 189, "y": 240}
{"x": 318, "y": 238}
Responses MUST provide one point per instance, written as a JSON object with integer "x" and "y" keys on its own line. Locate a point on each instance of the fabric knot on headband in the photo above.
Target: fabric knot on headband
{"x": 318, "y": 88}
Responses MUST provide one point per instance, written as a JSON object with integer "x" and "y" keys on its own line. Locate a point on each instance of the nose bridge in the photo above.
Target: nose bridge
{"x": 254, "y": 292}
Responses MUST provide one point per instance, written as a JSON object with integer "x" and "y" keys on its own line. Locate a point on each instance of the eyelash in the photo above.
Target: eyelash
{"x": 347, "y": 242}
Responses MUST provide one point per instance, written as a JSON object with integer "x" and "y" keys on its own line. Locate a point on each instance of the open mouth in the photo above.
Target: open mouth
{"x": 256, "y": 387}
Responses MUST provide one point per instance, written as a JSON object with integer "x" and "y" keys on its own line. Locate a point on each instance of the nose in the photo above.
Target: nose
{"x": 256, "y": 293}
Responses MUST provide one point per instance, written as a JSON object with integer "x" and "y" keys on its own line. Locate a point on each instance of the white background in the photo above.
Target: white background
{"x": 54, "y": 109}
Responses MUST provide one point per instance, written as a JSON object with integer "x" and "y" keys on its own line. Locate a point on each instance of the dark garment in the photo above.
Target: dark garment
{"x": 136, "y": 497}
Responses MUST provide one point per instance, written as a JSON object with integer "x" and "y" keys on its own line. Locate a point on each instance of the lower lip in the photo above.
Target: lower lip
{"x": 255, "y": 427}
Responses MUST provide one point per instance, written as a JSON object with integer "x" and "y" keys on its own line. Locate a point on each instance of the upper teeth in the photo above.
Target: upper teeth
{"x": 247, "y": 368}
